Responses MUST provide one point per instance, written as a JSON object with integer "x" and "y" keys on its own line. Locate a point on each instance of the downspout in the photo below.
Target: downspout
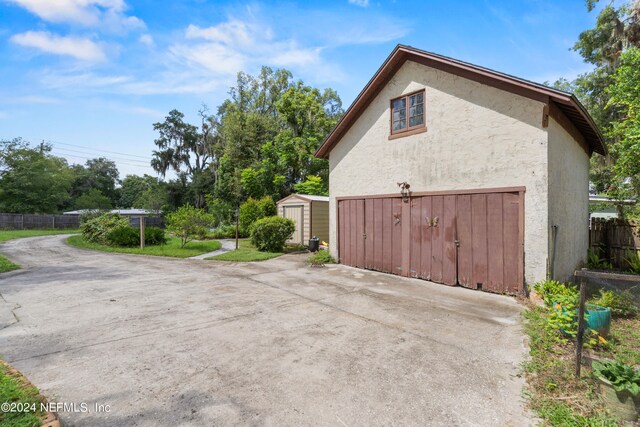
{"x": 554, "y": 237}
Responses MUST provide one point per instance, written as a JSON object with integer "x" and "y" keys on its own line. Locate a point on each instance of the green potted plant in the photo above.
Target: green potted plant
{"x": 620, "y": 387}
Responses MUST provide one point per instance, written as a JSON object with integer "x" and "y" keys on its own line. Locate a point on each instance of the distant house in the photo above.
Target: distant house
{"x": 124, "y": 212}
{"x": 605, "y": 207}
{"x": 451, "y": 172}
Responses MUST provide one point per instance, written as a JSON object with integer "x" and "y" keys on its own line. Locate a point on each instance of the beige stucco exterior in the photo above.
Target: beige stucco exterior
{"x": 477, "y": 137}
{"x": 568, "y": 199}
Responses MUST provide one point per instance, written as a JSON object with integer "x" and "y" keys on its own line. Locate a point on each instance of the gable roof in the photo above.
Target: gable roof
{"x": 306, "y": 198}
{"x": 566, "y": 102}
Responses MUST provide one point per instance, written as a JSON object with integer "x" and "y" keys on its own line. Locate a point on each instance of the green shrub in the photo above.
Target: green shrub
{"x": 154, "y": 236}
{"x": 97, "y": 230}
{"x": 553, "y": 291}
{"x": 253, "y": 210}
{"x": 224, "y": 232}
{"x": 596, "y": 262}
{"x": 633, "y": 261}
{"x": 222, "y": 211}
{"x": 620, "y": 375}
{"x": 189, "y": 223}
{"x": 270, "y": 234}
{"x": 126, "y": 236}
{"x": 321, "y": 258}
{"x": 621, "y": 303}
{"x": 90, "y": 214}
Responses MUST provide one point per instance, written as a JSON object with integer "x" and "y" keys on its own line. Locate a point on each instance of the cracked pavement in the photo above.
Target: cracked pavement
{"x": 188, "y": 342}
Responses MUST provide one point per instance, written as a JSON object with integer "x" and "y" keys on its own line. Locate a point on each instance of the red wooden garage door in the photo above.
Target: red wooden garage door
{"x": 474, "y": 239}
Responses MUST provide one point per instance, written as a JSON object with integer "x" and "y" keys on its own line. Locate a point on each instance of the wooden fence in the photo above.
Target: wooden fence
{"x": 614, "y": 239}
{"x": 31, "y": 221}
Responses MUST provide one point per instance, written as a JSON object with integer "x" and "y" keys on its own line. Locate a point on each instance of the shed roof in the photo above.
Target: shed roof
{"x": 306, "y": 198}
{"x": 566, "y": 102}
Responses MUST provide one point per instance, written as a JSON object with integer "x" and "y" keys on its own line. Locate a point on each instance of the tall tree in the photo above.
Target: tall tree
{"x": 189, "y": 150}
{"x": 100, "y": 174}
{"x": 617, "y": 29}
{"x": 31, "y": 179}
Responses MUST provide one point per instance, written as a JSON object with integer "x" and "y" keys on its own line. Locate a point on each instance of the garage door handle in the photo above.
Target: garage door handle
{"x": 457, "y": 243}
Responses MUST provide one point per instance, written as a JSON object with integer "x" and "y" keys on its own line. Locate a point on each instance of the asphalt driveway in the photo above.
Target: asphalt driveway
{"x": 170, "y": 342}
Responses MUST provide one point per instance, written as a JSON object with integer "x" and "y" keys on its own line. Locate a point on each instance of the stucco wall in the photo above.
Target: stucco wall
{"x": 478, "y": 137}
{"x": 568, "y": 200}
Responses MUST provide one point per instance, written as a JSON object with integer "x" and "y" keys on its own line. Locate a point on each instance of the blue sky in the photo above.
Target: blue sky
{"x": 92, "y": 76}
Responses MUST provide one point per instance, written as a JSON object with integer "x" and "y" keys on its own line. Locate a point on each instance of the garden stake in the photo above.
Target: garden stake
{"x": 580, "y": 335}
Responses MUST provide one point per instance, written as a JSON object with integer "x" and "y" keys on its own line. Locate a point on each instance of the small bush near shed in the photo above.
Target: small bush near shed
{"x": 253, "y": 210}
{"x": 270, "y": 234}
{"x": 154, "y": 236}
{"x": 321, "y": 258}
{"x": 97, "y": 230}
{"x": 124, "y": 237}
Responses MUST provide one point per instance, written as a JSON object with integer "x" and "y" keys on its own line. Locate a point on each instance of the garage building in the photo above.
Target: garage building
{"x": 454, "y": 173}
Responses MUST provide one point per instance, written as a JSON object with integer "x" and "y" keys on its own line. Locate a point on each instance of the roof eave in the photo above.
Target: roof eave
{"x": 473, "y": 72}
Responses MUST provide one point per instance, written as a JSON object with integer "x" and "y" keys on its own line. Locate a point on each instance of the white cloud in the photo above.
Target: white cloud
{"x": 106, "y": 14}
{"x": 232, "y": 32}
{"x": 146, "y": 39}
{"x": 236, "y": 45}
{"x": 77, "y": 47}
{"x": 361, "y": 3}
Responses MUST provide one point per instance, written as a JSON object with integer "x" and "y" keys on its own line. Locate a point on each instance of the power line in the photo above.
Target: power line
{"x": 90, "y": 154}
{"x": 89, "y": 158}
{"x": 135, "y": 157}
{"x": 98, "y": 149}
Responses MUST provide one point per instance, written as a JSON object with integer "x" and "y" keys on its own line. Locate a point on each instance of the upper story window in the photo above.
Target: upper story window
{"x": 407, "y": 113}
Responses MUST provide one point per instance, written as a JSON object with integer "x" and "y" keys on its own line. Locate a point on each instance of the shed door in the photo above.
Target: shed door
{"x": 295, "y": 213}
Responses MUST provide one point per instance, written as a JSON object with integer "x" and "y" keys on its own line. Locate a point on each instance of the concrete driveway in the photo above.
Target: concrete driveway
{"x": 187, "y": 342}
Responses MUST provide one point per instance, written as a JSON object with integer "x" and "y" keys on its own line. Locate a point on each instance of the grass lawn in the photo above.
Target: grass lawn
{"x": 13, "y": 390}
{"x": 171, "y": 249}
{"x": 6, "y": 265}
{"x": 16, "y": 234}
{"x": 247, "y": 253}
{"x": 555, "y": 395}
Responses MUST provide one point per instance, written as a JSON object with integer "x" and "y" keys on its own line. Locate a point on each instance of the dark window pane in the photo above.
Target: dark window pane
{"x": 399, "y": 125}
{"x": 412, "y": 121}
{"x": 403, "y": 113}
{"x": 418, "y": 120}
{"x": 412, "y": 111}
{"x": 420, "y": 97}
{"x": 396, "y": 116}
{"x": 420, "y": 109}
{"x": 398, "y": 104}
{"x": 412, "y": 100}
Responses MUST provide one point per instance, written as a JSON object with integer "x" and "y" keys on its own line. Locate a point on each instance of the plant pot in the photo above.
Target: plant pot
{"x": 596, "y": 318}
{"x": 621, "y": 404}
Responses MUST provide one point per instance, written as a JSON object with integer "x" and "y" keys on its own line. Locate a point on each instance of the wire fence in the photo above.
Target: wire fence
{"x": 10, "y": 221}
